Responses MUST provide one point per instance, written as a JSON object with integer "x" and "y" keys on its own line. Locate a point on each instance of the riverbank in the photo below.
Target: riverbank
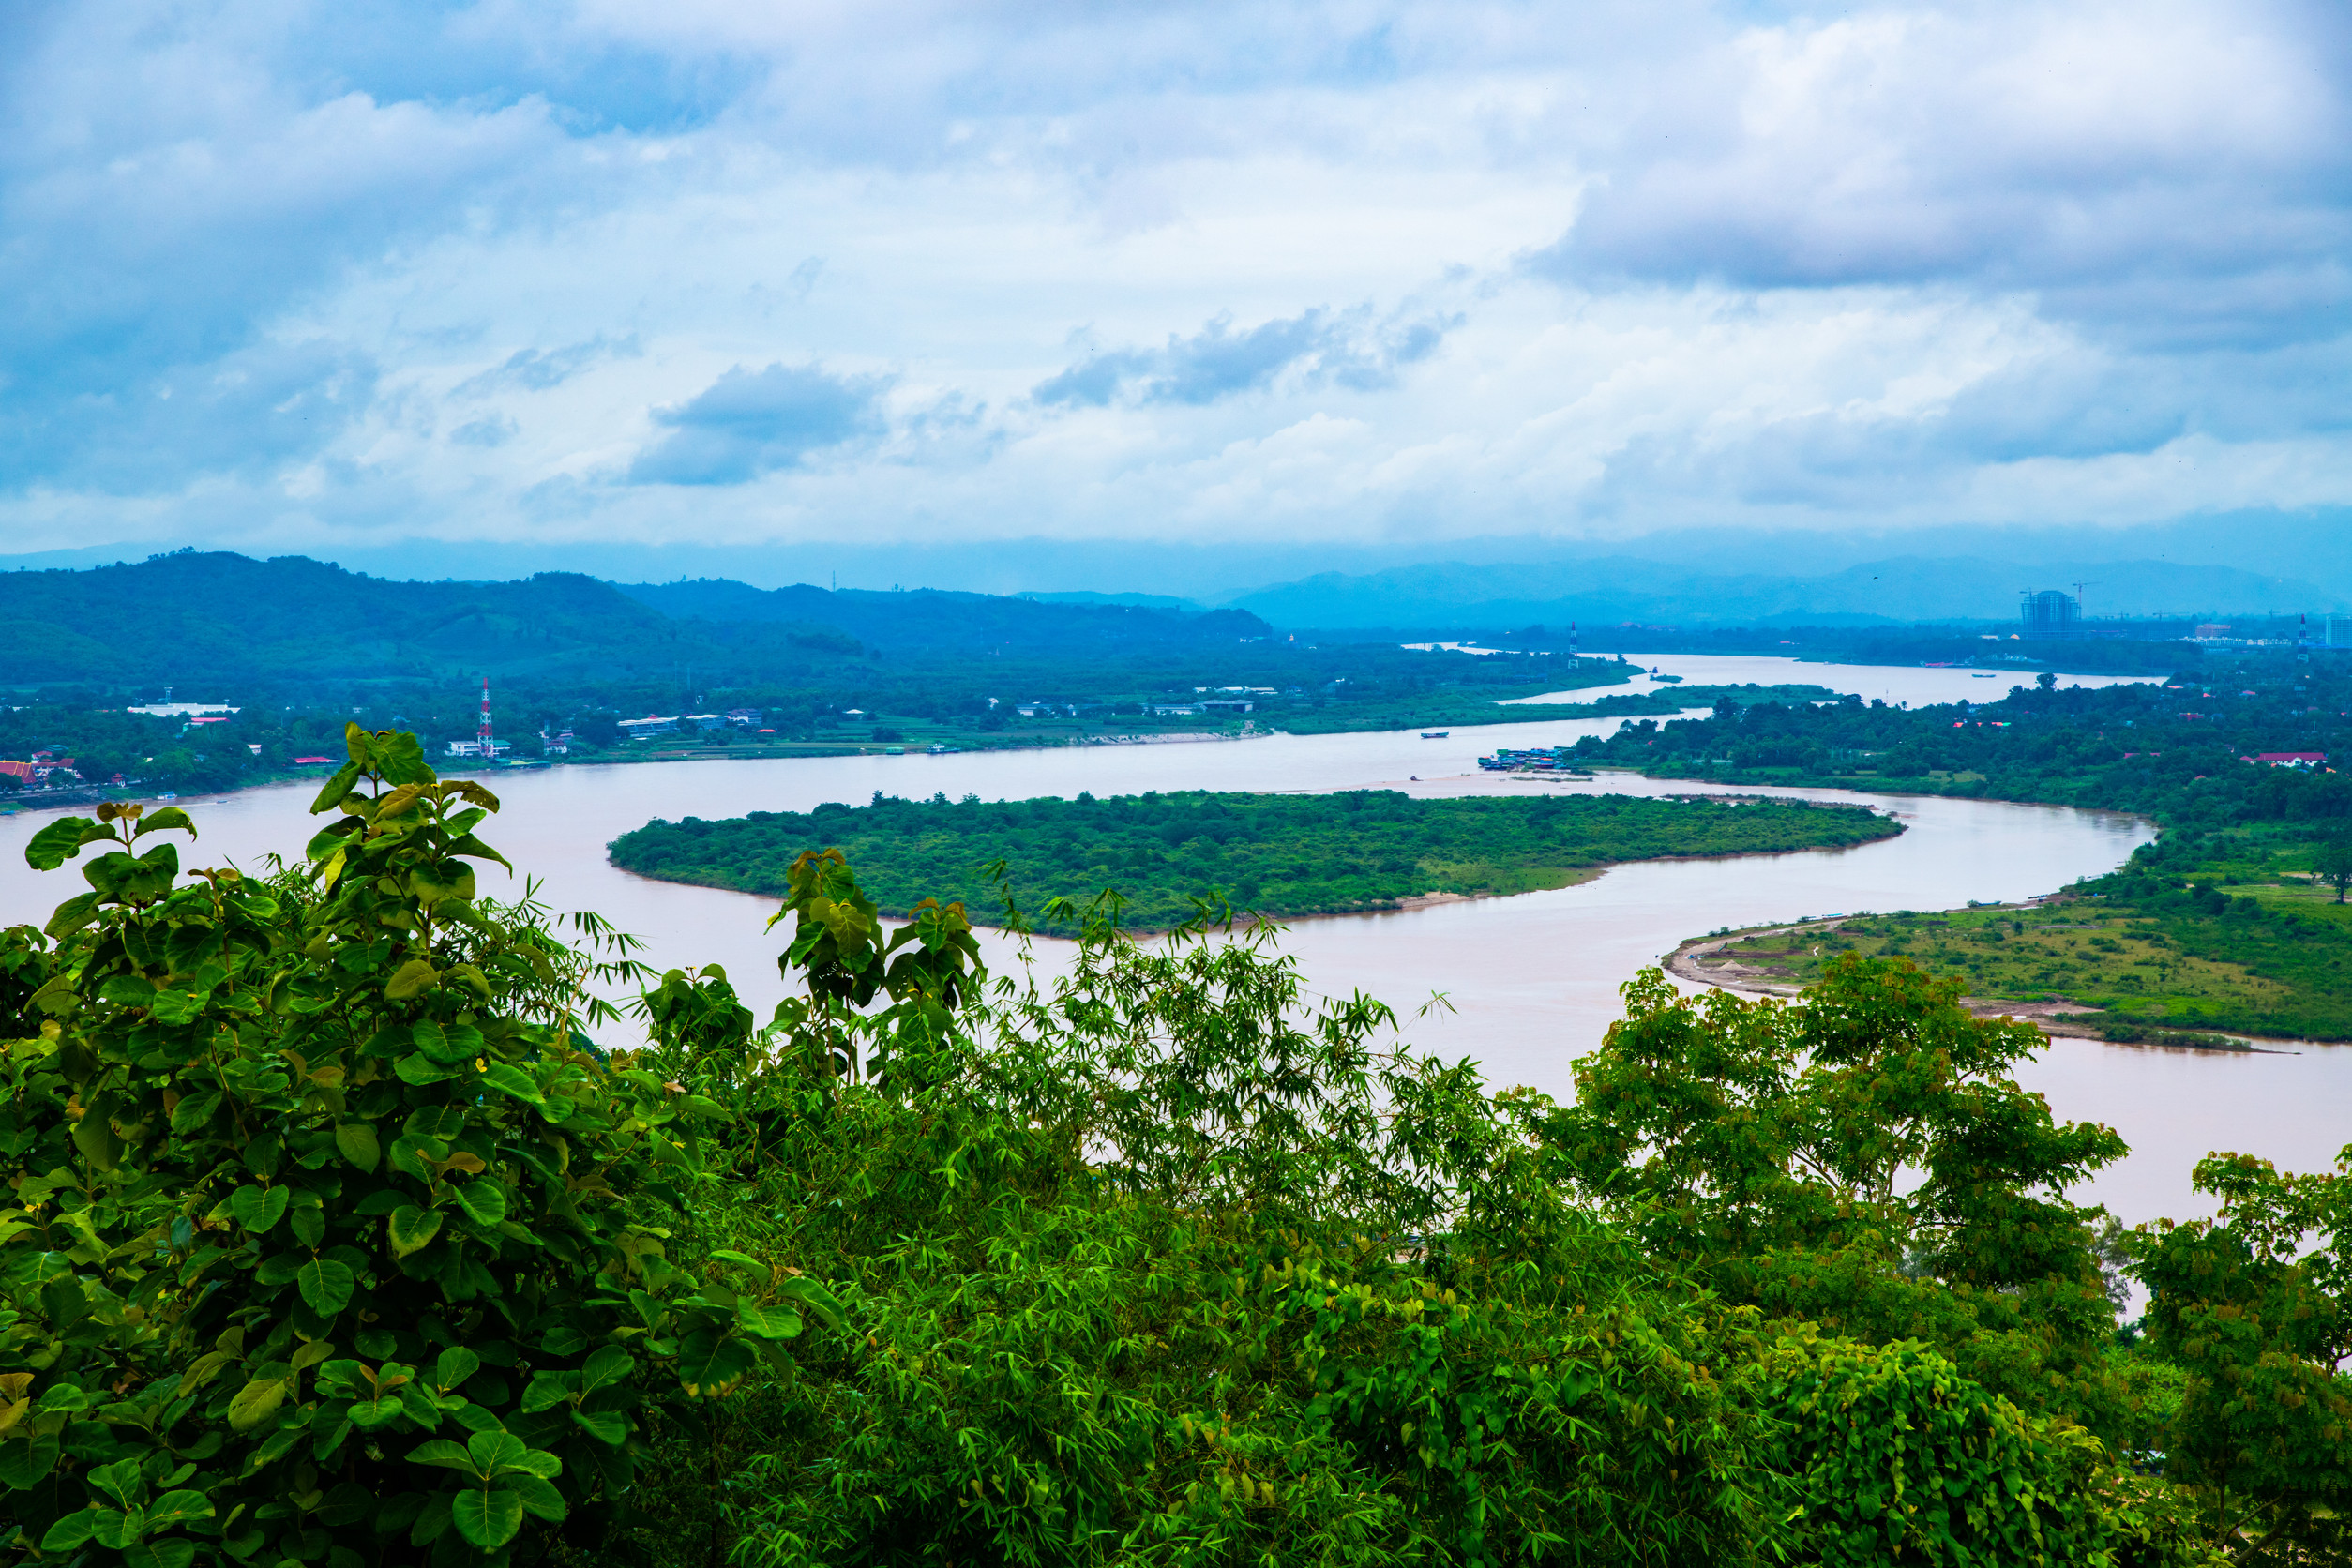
{"x": 1739, "y": 962}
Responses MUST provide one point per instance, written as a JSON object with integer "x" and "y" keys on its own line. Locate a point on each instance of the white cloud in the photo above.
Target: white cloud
{"x": 1349, "y": 270}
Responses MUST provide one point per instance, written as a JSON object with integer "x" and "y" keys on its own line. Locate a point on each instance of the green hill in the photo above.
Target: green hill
{"x": 193, "y": 619}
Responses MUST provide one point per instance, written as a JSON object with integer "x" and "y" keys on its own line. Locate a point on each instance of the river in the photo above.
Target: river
{"x": 1532, "y": 980}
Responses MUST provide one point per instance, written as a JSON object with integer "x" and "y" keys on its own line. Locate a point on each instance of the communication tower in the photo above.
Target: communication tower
{"x": 483, "y": 740}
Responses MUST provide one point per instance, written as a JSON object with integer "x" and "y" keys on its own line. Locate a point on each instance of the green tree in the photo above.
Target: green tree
{"x": 2334, "y": 865}
{"x": 328, "y": 1236}
{"x": 1863, "y": 1160}
{"x": 2255, "y": 1307}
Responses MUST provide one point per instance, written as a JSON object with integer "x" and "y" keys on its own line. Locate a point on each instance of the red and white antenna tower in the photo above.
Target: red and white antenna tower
{"x": 484, "y": 738}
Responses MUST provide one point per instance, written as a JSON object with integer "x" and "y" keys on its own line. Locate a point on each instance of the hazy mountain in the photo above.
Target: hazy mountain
{"x": 930, "y": 618}
{"x": 2314, "y": 545}
{"x": 1144, "y": 601}
{"x": 1621, "y": 589}
{"x": 196, "y": 619}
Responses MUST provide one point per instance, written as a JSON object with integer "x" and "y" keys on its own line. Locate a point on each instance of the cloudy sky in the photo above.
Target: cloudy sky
{"x": 279, "y": 275}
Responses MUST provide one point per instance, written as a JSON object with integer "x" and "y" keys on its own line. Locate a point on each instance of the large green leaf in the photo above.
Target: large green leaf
{"x": 356, "y": 1141}
{"x": 484, "y": 1202}
{"x": 768, "y": 1322}
{"x": 194, "y": 1111}
{"x": 179, "y": 1507}
{"x": 411, "y": 1227}
{"x": 258, "y": 1209}
{"x": 447, "y": 878}
{"x": 97, "y": 1140}
{"x": 813, "y": 1297}
{"x": 177, "y": 1552}
{"x": 334, "y": 792}
{"x": 326, "y": 1284}
{"x": 442, "y": 1452}
{"x": 60, "y": 841}
{"x": 709, "y": 1359}
{"x": 456, "y": 1366}
{"x": 369, "y": 1415}
{"x": 118, "y": 1531}
{"x": 128, "y": 991}
{"x": 538, "y": 1495}
{"x": 71, "y": 915}
{"x": 169, "y": 817}
{"x": 469, "y": 845}
{"x": 497, "y": 1452}
{"x": 70, "y": 1532}
{"x": 25, "y": 1464}
{"x": 411, "y": 978}
{"x": 507, "y": 1078}
{"x": 419, "y": 1069}
{"x": 447, "y": 1046}
{"x": 609, "y": 1364}
{"x": 255, "y": 1403}
{"x": 400, "y": 758}
{"x": 606, "y": 1426}
{"x": 120, "y": 1481}
{"x": 487, "y": 1520}
{"x": 547, "y": 1390}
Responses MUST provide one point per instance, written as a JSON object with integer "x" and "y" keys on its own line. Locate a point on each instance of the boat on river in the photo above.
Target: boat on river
{"x": 1553, "y": 759}
{"x": 1435, "y": 734}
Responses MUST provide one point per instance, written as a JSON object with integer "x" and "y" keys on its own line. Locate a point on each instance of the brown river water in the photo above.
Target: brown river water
{"x": 1532, "y": 980}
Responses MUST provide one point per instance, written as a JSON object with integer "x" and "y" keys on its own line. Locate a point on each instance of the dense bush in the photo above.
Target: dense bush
{"x": 332, "y": 1240}
{"x": 327, "y": 1236}
{"x": 1281, "y": 855}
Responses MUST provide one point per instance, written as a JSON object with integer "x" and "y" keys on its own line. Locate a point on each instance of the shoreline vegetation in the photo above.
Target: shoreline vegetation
{"x": 890, "y": 736}
{"x": 1168, "y": 855}
{"x": 2227, "y": 924}
{"x": 1782, "y": 959}
{"x": 330, "y": 1234}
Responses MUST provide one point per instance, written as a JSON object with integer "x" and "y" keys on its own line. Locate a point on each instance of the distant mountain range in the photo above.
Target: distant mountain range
{"x": 1621, "y": 589}
{"x": 217, "y": 617}
{"x": 930, "y": 618}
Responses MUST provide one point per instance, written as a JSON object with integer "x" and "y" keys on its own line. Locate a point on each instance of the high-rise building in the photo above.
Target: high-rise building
{"x": 2339, "y": 631}
{"x": 2050, "y": 613}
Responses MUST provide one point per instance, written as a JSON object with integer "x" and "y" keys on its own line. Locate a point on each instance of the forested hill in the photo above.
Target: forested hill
{"x": 193, "y": 618}
{"x": 932, "y": 618}
{"x": 198, "y": 618}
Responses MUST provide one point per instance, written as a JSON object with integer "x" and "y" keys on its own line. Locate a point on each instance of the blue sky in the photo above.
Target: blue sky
{"x": 298, "y": 277}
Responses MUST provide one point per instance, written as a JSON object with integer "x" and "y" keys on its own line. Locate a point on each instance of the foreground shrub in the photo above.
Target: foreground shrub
{"x": 1900, "y": 1458}
{"x": 330, "y": 1239}
{"x": 326, "y": 1240}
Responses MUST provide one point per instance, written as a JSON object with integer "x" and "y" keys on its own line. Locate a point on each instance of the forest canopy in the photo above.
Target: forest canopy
{"x": 330, "y": 1234}
{"x": 1279, "y": 855}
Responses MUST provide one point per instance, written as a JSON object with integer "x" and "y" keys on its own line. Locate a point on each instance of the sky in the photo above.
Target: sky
{"x": 1345, "y": 277}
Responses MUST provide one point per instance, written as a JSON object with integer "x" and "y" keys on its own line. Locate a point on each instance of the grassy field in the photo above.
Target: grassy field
{"x": 1276, "y": 854}
{"x": 2074, "y": 952}
{"x": 2272, "y": 961}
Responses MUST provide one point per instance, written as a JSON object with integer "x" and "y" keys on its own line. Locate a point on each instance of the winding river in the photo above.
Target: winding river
{"x": 1531, "y": 981}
